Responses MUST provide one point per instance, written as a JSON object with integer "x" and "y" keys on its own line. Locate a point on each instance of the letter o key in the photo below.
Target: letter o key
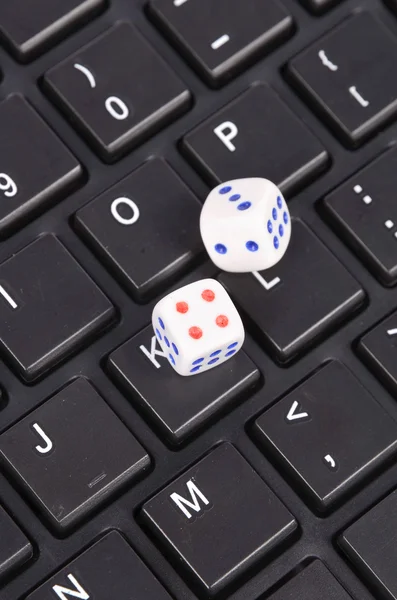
{"x": 120, "y": 219}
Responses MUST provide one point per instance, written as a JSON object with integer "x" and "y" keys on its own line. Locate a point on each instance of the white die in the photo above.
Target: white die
{"x": 245, "y": 225}
{"x": 198, "y": 327}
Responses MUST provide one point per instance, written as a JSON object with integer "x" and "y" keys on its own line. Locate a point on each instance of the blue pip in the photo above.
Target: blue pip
{"x": 245, "y": 225}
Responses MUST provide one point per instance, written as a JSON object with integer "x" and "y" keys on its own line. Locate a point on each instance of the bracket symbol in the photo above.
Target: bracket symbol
{"x": 87, "y": 73}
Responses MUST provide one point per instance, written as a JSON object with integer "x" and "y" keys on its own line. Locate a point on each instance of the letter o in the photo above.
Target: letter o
{"x": 122, "y": 220}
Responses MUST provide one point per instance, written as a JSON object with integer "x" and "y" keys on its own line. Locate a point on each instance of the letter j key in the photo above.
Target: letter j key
{"x": 215, "y": 490}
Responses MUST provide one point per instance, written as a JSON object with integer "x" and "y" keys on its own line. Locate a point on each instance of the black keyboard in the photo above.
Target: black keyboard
{"x": 273, "y": 476}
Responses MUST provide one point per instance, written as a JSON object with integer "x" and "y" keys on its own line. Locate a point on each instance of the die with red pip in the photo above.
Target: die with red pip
{"x": 198, "y": 327}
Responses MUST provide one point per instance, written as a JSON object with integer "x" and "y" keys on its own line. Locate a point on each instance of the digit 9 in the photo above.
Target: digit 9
{"x": 8, "y": 185}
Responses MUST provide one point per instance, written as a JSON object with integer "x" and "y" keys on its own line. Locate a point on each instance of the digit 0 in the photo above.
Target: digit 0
{"x": 119, "y": 218}
{"x": 117, "y": 108}
{"x": 8, "y": 185}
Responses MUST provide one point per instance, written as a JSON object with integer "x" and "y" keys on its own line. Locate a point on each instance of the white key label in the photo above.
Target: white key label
{"x": 224, "y": 39}
{"x": 268, "y": 285}
{"x": 8, "y": 186}
{"x": 114, "y": 209}
{"x": 116, "y": 107}
{"x": 194, "y": 503}
{"x": 48, "y": 445}
{"x": 66, "y": 593}
{"x": 326, "y": 62}
{"x": 8, "y": 298}
{"x": 357, "y": 96}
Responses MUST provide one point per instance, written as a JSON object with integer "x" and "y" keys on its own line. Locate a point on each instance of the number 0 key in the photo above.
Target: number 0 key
{"x": 117, "y": 91}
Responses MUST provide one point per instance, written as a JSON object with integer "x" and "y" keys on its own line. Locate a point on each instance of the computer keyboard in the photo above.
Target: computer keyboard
{"x": 272, "y": 476}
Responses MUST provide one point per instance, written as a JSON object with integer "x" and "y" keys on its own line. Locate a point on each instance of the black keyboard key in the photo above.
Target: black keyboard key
{"x": 240, "y": 141}
{"x": 300, "y": 300}
{"x": 378, "y": 348}
{"x": 29, "y": 181}
{"x": 15, "y": 548}
{"x": 146, "y": 228}
{"x": 319, "y": 6}
{"x": 310, "y": 433}
{"x": 107, "y": 91}
{"x": 109, "y": 569}
{"x": 371, "y": 545}
{"x": 49, "y": 306}
{"x": 356, "y": 101}
{"x": 220, "y": 38}
{"x": 58, "y": 454}
{"x": 176, "y": 405}
{"x": 363, "y": 212}
{"x": 220, "y": 500}
{"x": 28, "y": 28}
{"x": 314, "y": 582}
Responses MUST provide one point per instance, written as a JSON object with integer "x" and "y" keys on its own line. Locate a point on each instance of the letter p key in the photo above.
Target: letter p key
{"x": 226, "y": 132}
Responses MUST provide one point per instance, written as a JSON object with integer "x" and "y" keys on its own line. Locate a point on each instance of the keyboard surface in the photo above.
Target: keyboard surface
{"x": 273, "y": 476}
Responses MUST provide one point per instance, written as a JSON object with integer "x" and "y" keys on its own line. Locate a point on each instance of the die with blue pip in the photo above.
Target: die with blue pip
{"x": 245, "y": 225}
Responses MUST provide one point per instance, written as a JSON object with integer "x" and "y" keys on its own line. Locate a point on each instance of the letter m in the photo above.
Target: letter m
{"x": 194, "y": 503}
{"x": 65, "y": 593}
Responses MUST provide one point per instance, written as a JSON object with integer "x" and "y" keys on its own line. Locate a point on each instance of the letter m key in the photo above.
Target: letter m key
{"x": 194, "y": 503}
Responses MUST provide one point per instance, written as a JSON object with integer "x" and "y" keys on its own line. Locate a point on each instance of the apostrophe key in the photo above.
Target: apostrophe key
{"x": 108, "y": 569}
{"x": 378, "y": 348}
{"x": 106, "y": 90}
{"x": 356, "y": 101}
{"x": 220, "y": 38}
{"x": 49, "y": 307}
{"x": 29, "y": 181}
{"x": 146, "y": 228}
{"x": 298, "y": 301}
{"x": 71, "y": 454}
{"x": 142, "y": 369}
{"x": 310, "y": 433}
{"x": 363, "y": 212}
{"x": 29, "y": 28}
{"x": 238, "y": 142}
{"x": 200, "y": 516}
